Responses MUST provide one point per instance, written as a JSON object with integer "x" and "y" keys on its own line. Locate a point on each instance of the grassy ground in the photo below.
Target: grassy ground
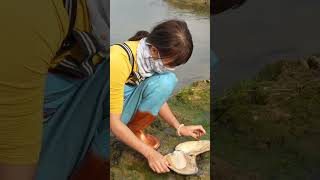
{"x": 199, "y": 7}
{"x": 269, "y": 127}
{"x": 191, "y": 105}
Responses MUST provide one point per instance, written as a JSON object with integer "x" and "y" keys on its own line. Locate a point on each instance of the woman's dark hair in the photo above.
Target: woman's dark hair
{"x": 173, "y": 40}
{"x": 139, "y": 35}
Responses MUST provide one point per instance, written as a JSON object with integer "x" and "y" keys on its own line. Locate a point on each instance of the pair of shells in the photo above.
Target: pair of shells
{"x": 183, "y": 159}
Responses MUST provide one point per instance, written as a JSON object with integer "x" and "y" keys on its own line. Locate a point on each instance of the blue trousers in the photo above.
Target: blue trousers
{"x": 148, "y": 96}
{"x": 75, "y": 123}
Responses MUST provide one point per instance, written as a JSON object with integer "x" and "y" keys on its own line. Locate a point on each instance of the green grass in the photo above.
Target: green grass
{"x": 270, "y": 125}
{"x": 199, "y": 7}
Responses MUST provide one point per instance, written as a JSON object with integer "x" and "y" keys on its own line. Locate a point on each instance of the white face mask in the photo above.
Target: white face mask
{"x": 148, "y": 65}
{"x": 158, "y": 64}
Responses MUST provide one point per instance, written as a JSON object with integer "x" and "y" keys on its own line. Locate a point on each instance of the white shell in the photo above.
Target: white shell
{"x": 178, "y": 160}
{"x": 194, "y": 147}
{"x": 183, "y": 159}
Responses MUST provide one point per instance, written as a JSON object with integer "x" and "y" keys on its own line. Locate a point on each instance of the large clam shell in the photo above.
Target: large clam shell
{"x": 182, "y": 163}
{"x": 194, "y": 147}
{"x": 177, "y": 160}
{"x": 183, "y": 159}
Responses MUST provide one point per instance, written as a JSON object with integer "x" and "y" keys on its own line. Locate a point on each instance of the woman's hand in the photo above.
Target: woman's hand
{"x": 157, "y": 162}
{"x": 195, "y": 131}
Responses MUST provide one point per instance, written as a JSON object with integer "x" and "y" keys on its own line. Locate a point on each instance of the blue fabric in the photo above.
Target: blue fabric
{"x": 76, "y": 122}
{"x": 148, "y": 96}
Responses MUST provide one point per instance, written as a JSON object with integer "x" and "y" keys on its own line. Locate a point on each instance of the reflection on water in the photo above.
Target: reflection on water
{"x": 261, "y": 32}
{"x": 128, "y": 17}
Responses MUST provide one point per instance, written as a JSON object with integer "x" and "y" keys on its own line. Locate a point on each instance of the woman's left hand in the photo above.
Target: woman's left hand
{"x": 195, "y": 131}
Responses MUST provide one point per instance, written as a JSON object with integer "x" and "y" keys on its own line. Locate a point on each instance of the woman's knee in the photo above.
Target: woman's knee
{"x": 164, "y": 83}
{"x": 168, "y": 79}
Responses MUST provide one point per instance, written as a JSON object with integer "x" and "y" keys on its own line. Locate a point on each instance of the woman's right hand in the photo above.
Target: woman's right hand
{"x": 157, "y": 162}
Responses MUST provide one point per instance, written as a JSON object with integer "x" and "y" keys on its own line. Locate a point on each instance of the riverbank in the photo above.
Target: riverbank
{"x": 268, "y": 127}
{"x": 191, "y": 105}
{"x": 199, "y": 7}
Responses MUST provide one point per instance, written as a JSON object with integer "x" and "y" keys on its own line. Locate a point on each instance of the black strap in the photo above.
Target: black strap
{"x": 87, "y": 42}
{"x": 129, "y": 53}
{"x": 71, "y": 67}
{"x": 71, "y": 7}
{"x": 134, "y": 77}
{"x": 83, "y": 66}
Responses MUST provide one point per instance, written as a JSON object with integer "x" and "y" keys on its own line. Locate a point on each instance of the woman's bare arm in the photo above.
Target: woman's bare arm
{"x": 123, "y": 133}
{"x": 196, "y": 131}
{"x": 166, "y": 114}
{"x": 156, "y": 161}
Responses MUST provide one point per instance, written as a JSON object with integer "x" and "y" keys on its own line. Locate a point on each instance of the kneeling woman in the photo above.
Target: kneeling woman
{"x": 141, "y": 83}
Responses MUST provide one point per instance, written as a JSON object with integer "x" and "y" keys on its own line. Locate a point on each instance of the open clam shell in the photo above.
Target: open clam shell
{"x": 183, "y": 159}
{"x": 177, "y": 159}
{"x": 182, "y": 163}
{"x": 194, "y": 147}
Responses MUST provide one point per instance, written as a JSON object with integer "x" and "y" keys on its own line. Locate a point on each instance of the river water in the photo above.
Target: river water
{"x": 128, "y": 16}
{"x": 261, "y": 32}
